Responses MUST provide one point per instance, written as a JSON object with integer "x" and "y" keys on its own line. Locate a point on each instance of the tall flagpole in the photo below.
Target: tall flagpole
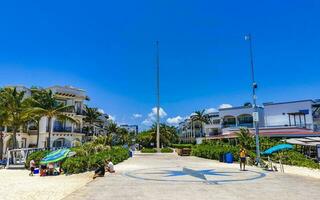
{"x": 158, "y": 96}
{"x": 254, "y": 99}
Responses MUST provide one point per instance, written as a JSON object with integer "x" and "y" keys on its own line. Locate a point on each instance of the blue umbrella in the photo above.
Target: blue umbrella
{"x": 280, "y": 147}
{"x": 55, "y": 156}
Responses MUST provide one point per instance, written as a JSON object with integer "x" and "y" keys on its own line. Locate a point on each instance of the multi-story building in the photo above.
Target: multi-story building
{"x": 285, "y": 119}
{"x": 130, "y": 128}
{"x": 64, "y": 133}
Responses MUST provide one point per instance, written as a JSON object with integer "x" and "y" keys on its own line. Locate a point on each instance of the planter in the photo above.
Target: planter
{"x": 184, "y": 152}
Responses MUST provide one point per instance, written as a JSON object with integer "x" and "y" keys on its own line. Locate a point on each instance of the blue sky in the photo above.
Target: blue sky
{"x": 107, "y": 48}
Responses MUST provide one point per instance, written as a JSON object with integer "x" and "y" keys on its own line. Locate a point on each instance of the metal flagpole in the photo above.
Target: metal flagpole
{"x": 254, "y": 98}
{"x": 158, "y": 96}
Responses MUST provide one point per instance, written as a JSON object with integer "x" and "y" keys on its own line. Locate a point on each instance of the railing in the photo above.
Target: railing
{"x": 62, "y": 129}
{"x": 80, "y": 112}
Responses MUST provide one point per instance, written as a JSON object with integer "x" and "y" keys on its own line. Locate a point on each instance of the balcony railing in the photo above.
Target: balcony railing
{"x": 80, "y": 112}
{"x": 62, "y": 129}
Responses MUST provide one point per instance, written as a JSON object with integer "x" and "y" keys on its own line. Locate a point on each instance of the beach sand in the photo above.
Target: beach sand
{"x": 17, "y": 184}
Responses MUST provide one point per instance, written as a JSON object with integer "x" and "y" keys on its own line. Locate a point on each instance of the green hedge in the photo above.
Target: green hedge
{"x": 37, "y": 157}
{"x": 80, "y": 164}
{"x": 148, "y": 150}
{"x": 213, "y": 151}
{"x": 84, "y": 160}
{"x": 166, "y": 150}
{"x": 295, "y": 158}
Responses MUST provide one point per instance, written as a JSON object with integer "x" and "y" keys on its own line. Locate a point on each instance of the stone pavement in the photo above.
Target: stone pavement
{"x": 168, "y": 176}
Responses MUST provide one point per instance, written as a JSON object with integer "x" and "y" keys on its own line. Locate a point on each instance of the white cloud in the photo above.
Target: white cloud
{"x": 113, "y": 118}
{"x": 137, "y": 115}
{"x": 147, "y": 122}
{"x": 152, "y": 116}
{"x": 225, "y": 105}
{"x": 210, "y": 110}
{"x": 101, "y": 111}
{"x": 175, "y": 120}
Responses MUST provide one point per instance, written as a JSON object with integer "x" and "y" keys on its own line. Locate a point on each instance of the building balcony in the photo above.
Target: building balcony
{"x": 62, "y": 129}
{"x": 80, "y": 112}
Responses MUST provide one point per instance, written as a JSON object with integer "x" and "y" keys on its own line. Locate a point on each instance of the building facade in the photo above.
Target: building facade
{"x": 131, "y": 128}
{"x": 64, "y": 133}
{"x": 284, "y": 119}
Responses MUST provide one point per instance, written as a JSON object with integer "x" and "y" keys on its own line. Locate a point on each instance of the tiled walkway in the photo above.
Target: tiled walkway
{"x": 168, "y": 176}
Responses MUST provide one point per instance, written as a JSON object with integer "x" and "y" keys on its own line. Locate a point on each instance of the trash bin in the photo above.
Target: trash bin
{"x": 130, "y": 153}
{"x": 228, "y": 158}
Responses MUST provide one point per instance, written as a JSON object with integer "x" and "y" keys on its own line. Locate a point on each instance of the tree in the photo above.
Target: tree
{"x": 168, "y": 134}
{"x": 245, "y": 139}
{"x": 121, "y": 137}
{"x": 48, "y": 106}
{"x": 92, "y": 117}
{"x": 3, "y": 120}
{"x": 112, "y": 128}
{"x": 14, "y": 107}
{"x": 38, "y": 98}
{"x": 202, "y": 117}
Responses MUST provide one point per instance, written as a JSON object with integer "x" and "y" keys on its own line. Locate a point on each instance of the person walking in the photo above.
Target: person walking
{"x": 243, "y": 159}
{"x": 32, "y": 167}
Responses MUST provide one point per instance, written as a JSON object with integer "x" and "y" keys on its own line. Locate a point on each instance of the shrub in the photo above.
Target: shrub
{"x": 37, "y": 157}
{"x": 166, "y": 150}
{"x": 213, "y": 151}
{"x": 148, "y": 150}
{"x": 295, "y": 158}
{"x": 75, "y": 165}
{"x": 82, "y": 163}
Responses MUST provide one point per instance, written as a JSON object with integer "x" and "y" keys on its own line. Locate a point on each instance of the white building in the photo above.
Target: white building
{"x": 294, "y": 113}
{"x": 63, "y": 133}
{"x": 130, "y": 128}
{"x": 284, "y": 119}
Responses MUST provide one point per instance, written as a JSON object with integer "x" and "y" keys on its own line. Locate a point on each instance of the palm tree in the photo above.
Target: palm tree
{"x": 3, "y": 120}
{"x": 14, "y": 107}
{"x": 37, "y": 98}
{"x": 168, "y": 134}
{"x": 112, "y": 128}
{"x": 202, "y": 117}
{"x": 92, "y": 117}
{"x": 245, "y": 138}
{"x": 46, "y": 105}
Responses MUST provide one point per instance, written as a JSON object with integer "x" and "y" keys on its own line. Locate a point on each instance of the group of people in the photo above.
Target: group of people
{"x": 49, "y": 169}
{"x": 106, "y": 166}
{"x": 45, "y": 170}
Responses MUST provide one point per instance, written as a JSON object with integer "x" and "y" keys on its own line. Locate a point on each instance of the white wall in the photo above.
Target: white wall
{"x": 240, "y": 111}
{"x": 277, "y": 114}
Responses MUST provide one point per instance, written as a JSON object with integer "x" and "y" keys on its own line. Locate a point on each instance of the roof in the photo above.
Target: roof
{"x": 238, "y": 107}
{"x": 307, "y": 141}
{"x": 287, "y": 102}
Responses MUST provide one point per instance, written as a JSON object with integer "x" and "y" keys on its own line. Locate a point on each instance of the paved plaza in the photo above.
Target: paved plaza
{"x": 168, "y": 176}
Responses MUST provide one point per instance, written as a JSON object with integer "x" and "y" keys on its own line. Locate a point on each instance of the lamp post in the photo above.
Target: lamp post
{"x": 254, "y": 99}
{"x": 158, "y": 96}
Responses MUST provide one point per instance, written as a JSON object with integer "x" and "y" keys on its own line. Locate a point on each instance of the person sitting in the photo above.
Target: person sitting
{"x": 51, "y": 169}
{"x": 110, "y": 166}
{"x": 43, "y": 170}
{"x": 100, "y": 172}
